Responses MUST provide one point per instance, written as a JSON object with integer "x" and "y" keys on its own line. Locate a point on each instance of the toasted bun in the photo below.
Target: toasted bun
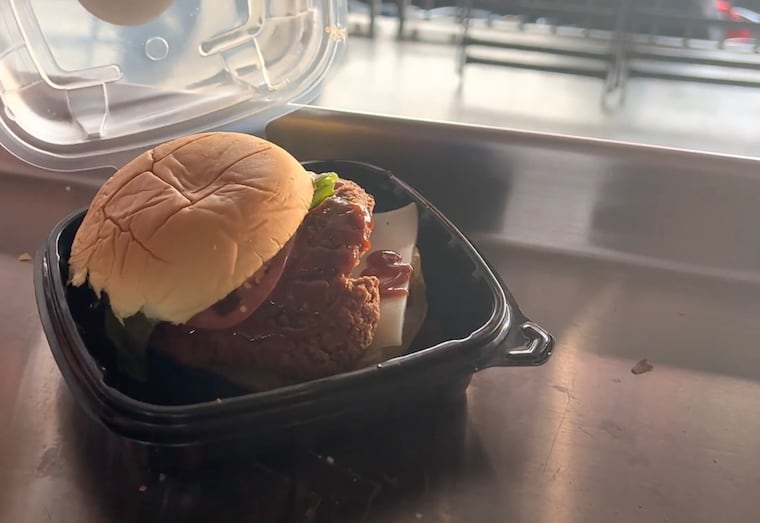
{"x": 183, "y": 225}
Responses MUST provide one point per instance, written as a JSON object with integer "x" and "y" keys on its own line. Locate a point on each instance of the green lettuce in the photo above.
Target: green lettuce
{"x": 131, "y": 339}
{"x": 324, "y": 187}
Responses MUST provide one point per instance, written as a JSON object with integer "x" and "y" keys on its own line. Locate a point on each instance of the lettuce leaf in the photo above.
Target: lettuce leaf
{"x": 324, "y": 187}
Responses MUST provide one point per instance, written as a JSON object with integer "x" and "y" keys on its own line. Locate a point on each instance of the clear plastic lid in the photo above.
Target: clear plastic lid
{"x": 88, "y": 83}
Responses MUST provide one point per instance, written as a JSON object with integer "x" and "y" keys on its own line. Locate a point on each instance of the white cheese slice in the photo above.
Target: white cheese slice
{"x": 394, "y": 231}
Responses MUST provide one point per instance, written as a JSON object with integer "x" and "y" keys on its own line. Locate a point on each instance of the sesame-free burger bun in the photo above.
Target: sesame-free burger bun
{"x": 183, "y": 225}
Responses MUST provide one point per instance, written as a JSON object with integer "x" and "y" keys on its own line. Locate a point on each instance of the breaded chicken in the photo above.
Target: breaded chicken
{"x": 318, "y": 320}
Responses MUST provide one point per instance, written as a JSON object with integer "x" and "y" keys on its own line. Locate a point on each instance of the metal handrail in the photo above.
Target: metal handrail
{"x": 622, "y": 55}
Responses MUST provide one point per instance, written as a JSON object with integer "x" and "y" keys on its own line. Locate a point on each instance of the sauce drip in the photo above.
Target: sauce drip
{"x": 350, "y": 219}
{"x": 392, "y": 272}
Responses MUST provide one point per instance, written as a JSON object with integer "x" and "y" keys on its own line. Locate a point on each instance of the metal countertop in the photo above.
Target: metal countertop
{"x": 622, "y": 252}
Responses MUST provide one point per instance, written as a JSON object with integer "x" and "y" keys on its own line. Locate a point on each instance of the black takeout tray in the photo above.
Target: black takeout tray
{"x": 473, "y": 323}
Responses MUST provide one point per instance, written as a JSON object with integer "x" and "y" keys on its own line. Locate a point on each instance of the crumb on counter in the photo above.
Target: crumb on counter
{"x": 25, "y": 257}
{"x": 641, "y": 367}
{"x": 142, "y": 488}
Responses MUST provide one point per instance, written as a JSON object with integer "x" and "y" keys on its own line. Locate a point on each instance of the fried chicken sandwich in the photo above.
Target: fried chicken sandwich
{"x": 221, "y": 251}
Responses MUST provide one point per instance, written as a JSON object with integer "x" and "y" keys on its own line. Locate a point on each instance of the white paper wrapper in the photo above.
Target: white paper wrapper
{"x": 394, "y": 231}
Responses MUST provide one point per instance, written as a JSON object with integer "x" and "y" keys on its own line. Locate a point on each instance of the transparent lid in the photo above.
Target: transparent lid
{"x": 88, "y": 83}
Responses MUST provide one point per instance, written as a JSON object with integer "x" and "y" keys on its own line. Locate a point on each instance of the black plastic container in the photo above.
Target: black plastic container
{"x": 473, "y": 323}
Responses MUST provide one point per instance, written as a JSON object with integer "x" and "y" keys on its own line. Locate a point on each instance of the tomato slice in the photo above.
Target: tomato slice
{"x": 241, "y": 303}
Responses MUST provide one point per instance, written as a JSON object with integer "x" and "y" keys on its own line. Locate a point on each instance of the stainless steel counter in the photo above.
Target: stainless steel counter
{"x": 622, "y": 252}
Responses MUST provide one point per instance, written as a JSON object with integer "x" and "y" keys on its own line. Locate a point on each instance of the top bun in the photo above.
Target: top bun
{"x": 181, "y": 226}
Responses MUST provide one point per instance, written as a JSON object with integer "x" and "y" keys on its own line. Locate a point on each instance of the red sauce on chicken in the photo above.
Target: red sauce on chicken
{"x": 392, "y": 272}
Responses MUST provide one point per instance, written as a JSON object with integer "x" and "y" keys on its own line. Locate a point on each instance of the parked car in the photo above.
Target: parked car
{"x": 739, "y": 14}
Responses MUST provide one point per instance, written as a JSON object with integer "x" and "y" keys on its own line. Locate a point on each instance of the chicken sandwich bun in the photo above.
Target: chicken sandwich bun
{"x": 221, "y": 251}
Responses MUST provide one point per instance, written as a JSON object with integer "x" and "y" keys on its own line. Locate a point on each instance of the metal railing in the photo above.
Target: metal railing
{"x": 616, "y": 40}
